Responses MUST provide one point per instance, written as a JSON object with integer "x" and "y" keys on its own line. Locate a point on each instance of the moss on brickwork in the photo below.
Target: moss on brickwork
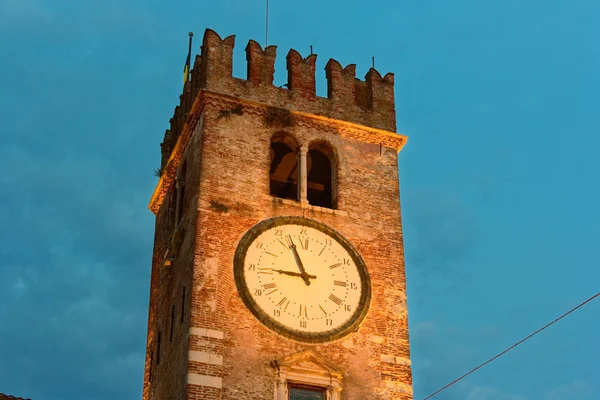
{"x": 227, "y": 113}
{"x": 278, "y": 118}
{"x": 218, "y": 206}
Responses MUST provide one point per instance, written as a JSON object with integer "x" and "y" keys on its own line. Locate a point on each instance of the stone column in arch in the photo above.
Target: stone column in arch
{"x": 302, "y": 175}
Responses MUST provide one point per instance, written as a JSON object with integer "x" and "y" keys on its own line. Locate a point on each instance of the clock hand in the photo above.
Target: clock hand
{"x": 292, "y": 273}
{"x": 303, "y": 273}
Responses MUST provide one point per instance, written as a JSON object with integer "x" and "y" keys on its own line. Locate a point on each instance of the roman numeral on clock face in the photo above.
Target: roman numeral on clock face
{"x": 271, "y": 286}
{"x": 303, "y": 311}
{"x": 304, "y": 244}
{"x": 282, "y": 301}
{"x": 335, "y": 299}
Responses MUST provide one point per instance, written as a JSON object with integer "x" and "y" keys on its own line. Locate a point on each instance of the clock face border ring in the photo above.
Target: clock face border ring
{"x": 238, "y": 269}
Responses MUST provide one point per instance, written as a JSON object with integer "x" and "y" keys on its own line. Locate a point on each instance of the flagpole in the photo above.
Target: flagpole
{"x": 190, "y": 54}
{"x": 267, "y": 26}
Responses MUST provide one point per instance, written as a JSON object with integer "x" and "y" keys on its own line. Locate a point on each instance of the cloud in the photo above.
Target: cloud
{"x": 441, "y": 227}
{"x": 576, "y": 390}
{"x": 106, "y": 14}
{"x": 425, "y": 328}
{"x": 79, "y": 147}
{"x": 441, "y": 235}
{"x": 25, "y": 10}
{"x": 490, "y": 393}
{"x": 440, "y": 354}
{"x": 75, "y": 279}
{"x": 75, "y": 273}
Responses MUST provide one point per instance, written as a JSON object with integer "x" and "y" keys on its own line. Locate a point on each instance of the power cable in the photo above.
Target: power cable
{"x": 512, "y": 347}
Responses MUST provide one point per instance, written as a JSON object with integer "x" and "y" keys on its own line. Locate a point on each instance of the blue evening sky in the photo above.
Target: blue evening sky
{"x": 499, "y": 179}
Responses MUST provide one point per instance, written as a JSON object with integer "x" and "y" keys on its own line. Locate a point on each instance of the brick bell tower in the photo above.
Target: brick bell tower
{"x": 278, "y": 264}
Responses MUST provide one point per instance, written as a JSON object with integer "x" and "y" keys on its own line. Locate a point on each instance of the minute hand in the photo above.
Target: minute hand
{"x": 303, "y": 273}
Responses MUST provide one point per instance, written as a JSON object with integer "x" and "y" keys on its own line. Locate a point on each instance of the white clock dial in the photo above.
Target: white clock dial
{"x": 302, "y": 279}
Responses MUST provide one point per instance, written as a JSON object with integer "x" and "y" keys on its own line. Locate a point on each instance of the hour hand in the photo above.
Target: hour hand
{"x": 290, "y": 273}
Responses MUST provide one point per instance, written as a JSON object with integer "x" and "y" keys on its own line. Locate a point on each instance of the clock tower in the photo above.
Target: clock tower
{"x": 278, "y": 264}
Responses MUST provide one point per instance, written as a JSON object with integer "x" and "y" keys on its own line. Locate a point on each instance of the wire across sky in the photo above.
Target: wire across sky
{"x": 512, "y": 347}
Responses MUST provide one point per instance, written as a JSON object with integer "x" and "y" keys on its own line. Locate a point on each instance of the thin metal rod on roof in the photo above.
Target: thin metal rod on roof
{"x": 267, "y": 26}
{"x": 373, "y": 61}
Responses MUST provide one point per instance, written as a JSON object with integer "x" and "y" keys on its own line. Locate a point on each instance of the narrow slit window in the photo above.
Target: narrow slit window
{"x": 150, "y": 367}
{"x": 158, "y": 348}
{"x": 172, "y": 323}
{"x": 180, "y": 185}
{"x": 183, "y": 305}
{"x": 172, "y": 208}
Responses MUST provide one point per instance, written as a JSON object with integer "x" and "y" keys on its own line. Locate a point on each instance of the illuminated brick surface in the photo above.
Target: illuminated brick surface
{"x": 220, "y": 350}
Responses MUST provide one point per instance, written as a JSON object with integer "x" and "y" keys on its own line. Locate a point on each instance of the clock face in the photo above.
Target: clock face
{"x": 302, "y": 279}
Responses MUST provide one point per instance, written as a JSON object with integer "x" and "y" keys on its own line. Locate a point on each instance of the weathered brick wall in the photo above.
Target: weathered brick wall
{"x": 235, "y": 174}
{"x": 369, "y": 102}
{"x": 222, "y": 351}
{"x": 171, "y": 290}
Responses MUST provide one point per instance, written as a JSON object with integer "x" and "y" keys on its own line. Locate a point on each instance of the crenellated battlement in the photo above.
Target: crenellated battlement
{"x": 301, "y": 74}
{"x": 261, "y": 63}
{"x": 368, "y": 102}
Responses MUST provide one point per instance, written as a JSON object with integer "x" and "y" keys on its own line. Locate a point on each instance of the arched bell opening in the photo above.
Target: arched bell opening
{"x": 283, "y": 174}
{"x": 321, "y": 180}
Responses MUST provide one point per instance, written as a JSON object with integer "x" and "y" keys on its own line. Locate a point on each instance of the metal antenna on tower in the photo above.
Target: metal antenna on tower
{"x": 373, "y": 61}
{"x": 267, "y": 26}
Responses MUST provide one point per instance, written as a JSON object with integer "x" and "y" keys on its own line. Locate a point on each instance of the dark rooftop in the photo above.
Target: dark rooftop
{"x": 7, "y": 397}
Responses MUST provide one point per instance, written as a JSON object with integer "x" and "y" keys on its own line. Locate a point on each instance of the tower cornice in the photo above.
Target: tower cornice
{"x": 343, "y": 128}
